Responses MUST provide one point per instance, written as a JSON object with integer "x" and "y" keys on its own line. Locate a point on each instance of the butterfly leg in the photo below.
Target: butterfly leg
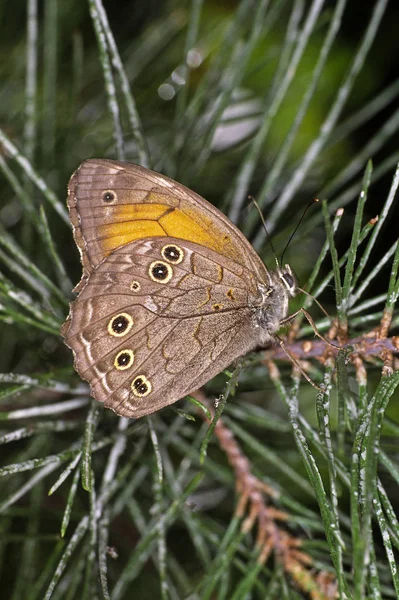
{"x": 311, "y": 323}
{"x": 296, "y": 362}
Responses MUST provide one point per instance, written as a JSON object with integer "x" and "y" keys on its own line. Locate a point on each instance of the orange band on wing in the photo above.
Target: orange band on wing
{"x": 129, "y": 222}
{"x": 180, "y": 225}
{"x": 119, "y": 234}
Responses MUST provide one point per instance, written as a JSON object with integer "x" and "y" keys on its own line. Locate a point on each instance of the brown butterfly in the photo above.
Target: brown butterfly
{"x": 171, "y": 292}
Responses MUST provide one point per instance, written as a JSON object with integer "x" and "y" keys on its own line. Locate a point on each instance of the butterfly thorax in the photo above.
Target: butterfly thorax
{"x": 273, "y": 306}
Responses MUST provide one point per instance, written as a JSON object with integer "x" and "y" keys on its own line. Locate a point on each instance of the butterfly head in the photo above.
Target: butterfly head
{"x": 288, "y": 279}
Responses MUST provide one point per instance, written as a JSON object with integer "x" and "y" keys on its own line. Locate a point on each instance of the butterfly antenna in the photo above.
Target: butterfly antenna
{"x": 296, "y": 228}
{"x": 314, "y": 300}
{"x": 269, "y": 239}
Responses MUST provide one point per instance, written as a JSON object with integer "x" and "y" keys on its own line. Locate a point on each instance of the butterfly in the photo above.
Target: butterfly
{"x": 171, "y": 291}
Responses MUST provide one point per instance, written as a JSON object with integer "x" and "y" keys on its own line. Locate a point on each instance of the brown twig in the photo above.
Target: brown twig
{"x": 367, "y": 345}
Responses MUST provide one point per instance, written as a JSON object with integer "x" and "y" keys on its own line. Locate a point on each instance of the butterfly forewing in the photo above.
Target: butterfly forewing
{"x": 113, "y": 203}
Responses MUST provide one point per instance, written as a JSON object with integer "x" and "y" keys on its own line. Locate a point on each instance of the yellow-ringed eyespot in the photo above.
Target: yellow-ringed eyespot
{"x": 160, "y": 271}
{"x": 120, "y": 325}
{"x": 124, "y": 359}
{"x": 135, "y": 286}
{"x": 109, "y": 197}
{"x": 140, "y": 386}
{"x": 172, "y": 253}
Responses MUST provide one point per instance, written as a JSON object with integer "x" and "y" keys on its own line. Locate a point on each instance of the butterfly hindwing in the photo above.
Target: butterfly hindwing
{"x": 158, "y": 318}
